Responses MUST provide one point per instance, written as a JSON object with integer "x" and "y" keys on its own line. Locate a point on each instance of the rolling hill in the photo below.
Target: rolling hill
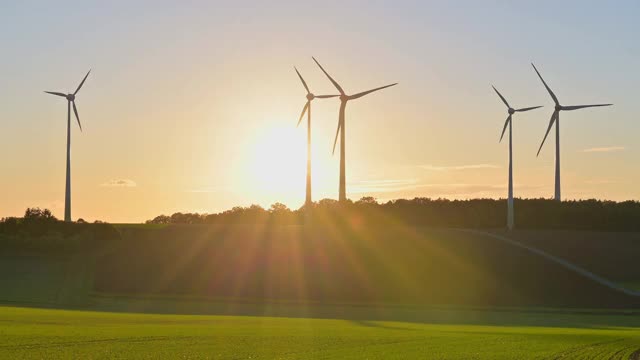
{"x": 344, "y": 264}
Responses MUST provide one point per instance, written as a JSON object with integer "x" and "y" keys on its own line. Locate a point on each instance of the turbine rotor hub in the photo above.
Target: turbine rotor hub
{"x": 71, "y": 97}
{"x": 344, "y": 98}
{"x": 310, "y": 96}
{"x": 558, "y": 107}
{"x": 511, "y": 111}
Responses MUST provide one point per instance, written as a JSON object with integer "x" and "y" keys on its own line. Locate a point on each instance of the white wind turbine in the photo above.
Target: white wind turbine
{"x": 307, "y": 109}
{"x": 511, "y": 111}
{"x": 555, "y": 118}
{"x": 71, "y": 100}
{"x": 344, "y": 99}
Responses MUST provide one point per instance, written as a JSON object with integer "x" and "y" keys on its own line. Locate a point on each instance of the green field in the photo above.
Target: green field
{"x": 63, "y": 334}
{"x": 335, "y": 293}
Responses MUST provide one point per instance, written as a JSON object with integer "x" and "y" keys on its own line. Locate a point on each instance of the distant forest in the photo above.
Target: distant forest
{"x": 39, "y": 231}
{"x": 477, "y": 213}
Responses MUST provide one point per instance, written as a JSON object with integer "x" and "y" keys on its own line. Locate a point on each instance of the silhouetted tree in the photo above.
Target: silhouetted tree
{"x": 40, "y": 231}
{"x": 278, "y": 208}
{"x": 161, "y": 219}
{"x": 38, "y": 214}
{"x": 370, "y": 200}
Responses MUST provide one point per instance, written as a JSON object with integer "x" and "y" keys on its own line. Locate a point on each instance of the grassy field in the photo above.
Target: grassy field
{"x": 62, "y": 334}
{"x": 347, "y": 292}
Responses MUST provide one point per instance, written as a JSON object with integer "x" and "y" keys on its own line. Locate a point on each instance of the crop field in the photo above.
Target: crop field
{"x": 61, "y": 334}
{"x": 344, "y": 293}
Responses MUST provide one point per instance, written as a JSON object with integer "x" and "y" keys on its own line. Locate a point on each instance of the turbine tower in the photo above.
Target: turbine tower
{"x": 555, "y": 118}
{"x": 344, "y": 98}
{"x": 71, "y": 100}
{"x": 511, "y": 111}
{"x": 307, "y": 109}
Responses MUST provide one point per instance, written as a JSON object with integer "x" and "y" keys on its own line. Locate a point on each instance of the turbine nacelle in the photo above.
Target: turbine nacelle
{"x": 310, "y": 97}
{"x": 71, "y": 98}
{"x": 344, "y": 97}
{"x": 510, "y": 110}
{"x": 555, "y": 118}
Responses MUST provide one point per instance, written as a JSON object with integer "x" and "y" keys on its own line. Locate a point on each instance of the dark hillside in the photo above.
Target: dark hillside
{"x": 346, "y": 263}
{"x": 613, "y": 255}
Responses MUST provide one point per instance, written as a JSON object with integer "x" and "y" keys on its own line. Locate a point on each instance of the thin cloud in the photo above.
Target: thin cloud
{"x": 472, "y": 191}
{"x": 212, "y": 189}
{"x": 602, "y": 181}
{"x": 459, "y": 167}
{"x": 120, "y": 183}
{"x": 430, "y": 189}
{"x": 604, "y": 149}
{"x": 385, "y": 185}
{"x": 458, "y": 190}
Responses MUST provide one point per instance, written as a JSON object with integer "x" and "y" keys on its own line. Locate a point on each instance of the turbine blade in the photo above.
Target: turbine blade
{"x": 326, "y": 96}
{"x": 75, "y": 111}
{"x": 82, "y": 83}
{"x": 506, "y": 123}
{"x": 553, "y": 96}
{"x": 528, "y": 108}
{"x": 304, "y": 110}
{"x": 330, "y": 78}
{"x": 501, "y": 97}
{"x": 56, "y": 93}
{"x": 336, "y": 140}
{"x": 576, "y": 107}
{"x": 361, "y": 94}
{"x": 304, "y": 83}
{"x": 554, "y": 116}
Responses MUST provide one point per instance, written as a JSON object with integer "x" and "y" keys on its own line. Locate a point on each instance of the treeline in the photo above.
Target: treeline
{"x": 39, "y": 231}
{"x": 476, "y": 213}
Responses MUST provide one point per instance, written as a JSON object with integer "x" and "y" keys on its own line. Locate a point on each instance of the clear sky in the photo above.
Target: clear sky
{"x": 192, "y": 106}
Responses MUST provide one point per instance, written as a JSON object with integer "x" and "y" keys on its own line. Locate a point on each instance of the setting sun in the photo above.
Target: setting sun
{"x": 277, "y": 162}
{"x": 277, "y": 166}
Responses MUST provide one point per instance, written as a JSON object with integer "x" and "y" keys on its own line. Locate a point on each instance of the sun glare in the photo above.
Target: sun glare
{"x": 278, "y": 158}
{"x": 278, "y": 162}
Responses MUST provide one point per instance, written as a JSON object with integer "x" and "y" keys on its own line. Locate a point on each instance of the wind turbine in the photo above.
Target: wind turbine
{"x": 71, "y": 100}
{"x": 555, "y": 118}
{"x": 344, "y": 98}
{"x": 307, "y": 109}
{"x": 511, "y": 111}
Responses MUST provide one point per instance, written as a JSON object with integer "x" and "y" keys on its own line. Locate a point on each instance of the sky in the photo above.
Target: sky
{"x": 192, "y": 106}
